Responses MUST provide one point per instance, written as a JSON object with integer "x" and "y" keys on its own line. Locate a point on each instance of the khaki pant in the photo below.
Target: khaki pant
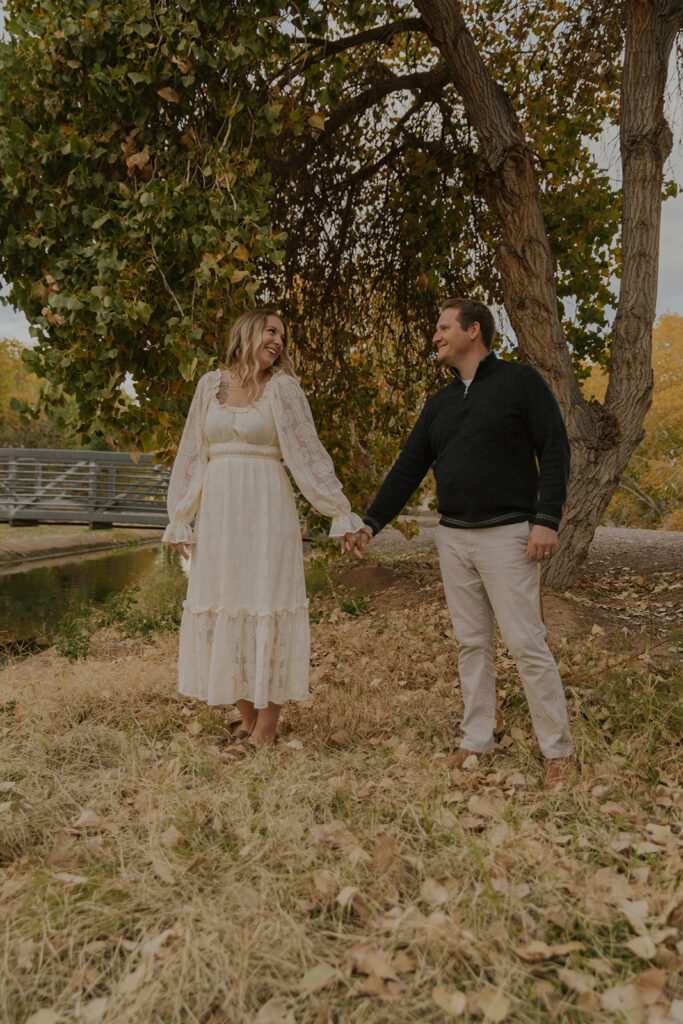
{"x": 487, "y": 572}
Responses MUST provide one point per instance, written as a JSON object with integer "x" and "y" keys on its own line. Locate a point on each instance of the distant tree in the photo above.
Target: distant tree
{"x": 19, "y": 385}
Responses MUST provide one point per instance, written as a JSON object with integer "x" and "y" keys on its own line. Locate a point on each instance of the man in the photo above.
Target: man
{"x": 499, "y": 448}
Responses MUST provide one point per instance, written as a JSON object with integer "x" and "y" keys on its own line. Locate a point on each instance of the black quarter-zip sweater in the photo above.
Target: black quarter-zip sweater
{"x": 499, "y": 450}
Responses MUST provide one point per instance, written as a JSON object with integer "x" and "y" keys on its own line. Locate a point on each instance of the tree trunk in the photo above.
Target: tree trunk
{"x": 598, "y": 461}
{"x": 603, "y": 438}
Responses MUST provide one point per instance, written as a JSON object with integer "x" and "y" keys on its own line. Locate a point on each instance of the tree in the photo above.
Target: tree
{"x": 134, "y": 193}
{"x": 454, "y": 155}
{"x": 603, "y": 436}
{"x": 17, "y": 385}
{"x": 523, "y": 208}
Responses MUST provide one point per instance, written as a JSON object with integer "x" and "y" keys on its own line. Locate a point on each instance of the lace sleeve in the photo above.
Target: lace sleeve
{"x": 187, "y": 476}
{"x": 306, "y": 458}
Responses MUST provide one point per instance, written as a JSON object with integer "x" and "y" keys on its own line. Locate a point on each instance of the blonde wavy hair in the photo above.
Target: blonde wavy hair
{"x": 243, "y": 340}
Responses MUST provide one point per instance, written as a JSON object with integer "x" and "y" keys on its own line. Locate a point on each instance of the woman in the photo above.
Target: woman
{"x": 244, "y": 636}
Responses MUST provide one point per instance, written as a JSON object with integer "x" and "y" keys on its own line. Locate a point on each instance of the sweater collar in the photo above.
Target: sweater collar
{"x": 486, "y": 365}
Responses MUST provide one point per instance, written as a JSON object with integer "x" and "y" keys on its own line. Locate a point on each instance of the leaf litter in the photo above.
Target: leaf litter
{"x": 352, "y": 881}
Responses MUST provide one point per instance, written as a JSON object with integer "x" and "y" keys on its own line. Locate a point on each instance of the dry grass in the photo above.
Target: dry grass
{"x": 148, "y": 876}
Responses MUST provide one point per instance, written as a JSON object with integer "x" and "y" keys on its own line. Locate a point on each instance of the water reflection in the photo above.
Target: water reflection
{"x": 34, "y": 601}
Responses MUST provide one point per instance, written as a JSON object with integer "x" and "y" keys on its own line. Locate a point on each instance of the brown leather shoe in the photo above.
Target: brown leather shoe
{"x": 457, "y": 759}
{"x": 559, "y": 770}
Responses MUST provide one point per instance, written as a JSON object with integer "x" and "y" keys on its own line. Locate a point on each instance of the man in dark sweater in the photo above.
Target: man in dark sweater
{"x": 499, "y": 449}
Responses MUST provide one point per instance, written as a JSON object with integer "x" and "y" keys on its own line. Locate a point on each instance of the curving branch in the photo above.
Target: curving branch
{"x": 428, "y": 82}
{"x": 329, "y": 47}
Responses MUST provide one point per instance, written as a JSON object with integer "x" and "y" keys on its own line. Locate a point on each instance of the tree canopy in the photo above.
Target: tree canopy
{"x": 166, "y": 165}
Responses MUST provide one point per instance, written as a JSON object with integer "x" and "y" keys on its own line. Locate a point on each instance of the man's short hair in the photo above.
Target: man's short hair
{"x": 471, "y": 311}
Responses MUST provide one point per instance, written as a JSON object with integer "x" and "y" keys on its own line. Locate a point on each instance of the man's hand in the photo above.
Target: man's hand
{"x": 357, "y": 542}
{"x": 183, "y": 548}
{"x": 542, "y": 543}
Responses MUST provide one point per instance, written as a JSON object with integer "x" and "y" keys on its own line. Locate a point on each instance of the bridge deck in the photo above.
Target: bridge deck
{"x": 98, "y": 488}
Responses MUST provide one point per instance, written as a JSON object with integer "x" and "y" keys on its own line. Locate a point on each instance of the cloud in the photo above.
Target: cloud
{"x": 14, "y": 325}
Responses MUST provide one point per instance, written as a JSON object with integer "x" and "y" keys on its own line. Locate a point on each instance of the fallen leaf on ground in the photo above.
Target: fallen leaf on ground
{"x": 374, "y": 986}
{"x": 88, "y": 819}
{"x": 130, "y": 983}
{"x": 402, "y": 963}
{"x": 366, "y": 960}
{"x": 249, "y": 898}
{"x": 325, "y": 882}
{"x": 636, "y": 912}
{"x": 487, "y": 805}
{"x": 96, "y": 946}
{"x": 95, "y": 1010}
{"x": 642, "y": 946}
{"x": 433, "y": 892}
{"x": 385, "y": 854}
{"x": 61, "y": 852}
{"x": 24, "y": 954}
{"x": 642, "y": 849}
{"x": 357, "y": 855}
{"x": 676, "y": 1011}
{"x": 346, "y": 895}
{"x": 625, "y": 999}
{"x": 274, "y": 1012}
{"x": 493, "y": 1004}
{"x": 451, "y": 1002}
{"x": 351, "y": 896}
{"x": 317, "y": 977}
{"x": 43, "y": 1017}
{"x": 152, "y": 946}
{"x": 163, "y": 871}
{"x": 171, "y": 836}
{"x": 537, "y": 950}
{"x": 650, "y": 985}
{"x": 575, "y": 980}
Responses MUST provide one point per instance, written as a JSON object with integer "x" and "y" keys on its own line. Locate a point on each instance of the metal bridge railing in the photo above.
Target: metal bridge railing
{"x": 98, "y": 488}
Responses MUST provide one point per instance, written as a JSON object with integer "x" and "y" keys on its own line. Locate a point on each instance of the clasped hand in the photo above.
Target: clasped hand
{"x": 356, "y": 543}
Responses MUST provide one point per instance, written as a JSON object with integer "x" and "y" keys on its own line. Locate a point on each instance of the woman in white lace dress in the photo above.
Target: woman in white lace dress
{"x": 244, "y": 636}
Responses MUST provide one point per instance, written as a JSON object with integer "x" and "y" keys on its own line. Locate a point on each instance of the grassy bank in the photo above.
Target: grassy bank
{"x": 53, "y": 540}
{"x": 149, "y": 875}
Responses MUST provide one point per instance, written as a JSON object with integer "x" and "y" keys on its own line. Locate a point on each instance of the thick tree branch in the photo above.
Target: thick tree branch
{"x": 488, "y": 106}
{"x": 509, "y": 182}
{"x": 315, "y": 51}
{"x": 380, "y": 34}
{"x": 428, "y": 82}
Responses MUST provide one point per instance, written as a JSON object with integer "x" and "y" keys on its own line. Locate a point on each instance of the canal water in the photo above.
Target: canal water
{"x": 34, "y": 600}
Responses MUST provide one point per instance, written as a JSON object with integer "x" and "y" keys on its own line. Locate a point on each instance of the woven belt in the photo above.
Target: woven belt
{"x": 242, "y": 449}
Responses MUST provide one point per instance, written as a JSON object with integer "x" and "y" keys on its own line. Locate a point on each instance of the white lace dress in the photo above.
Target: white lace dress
{"x": 244, "y": 632}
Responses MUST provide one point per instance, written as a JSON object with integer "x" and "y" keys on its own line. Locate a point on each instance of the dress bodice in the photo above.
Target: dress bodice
{"x": 280, "y": 423}
{"x": 253, "y": 424}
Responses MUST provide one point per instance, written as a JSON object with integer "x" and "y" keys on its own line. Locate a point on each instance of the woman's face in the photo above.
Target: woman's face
{"x": 272, "y": 342}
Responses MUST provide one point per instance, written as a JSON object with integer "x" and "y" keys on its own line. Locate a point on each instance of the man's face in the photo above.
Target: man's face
{"x": 451, "y": 340}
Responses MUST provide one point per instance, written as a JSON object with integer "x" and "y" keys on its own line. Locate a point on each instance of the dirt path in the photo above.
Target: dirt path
{"x": 644, "y": 550}
{"x": 629, "y": 591}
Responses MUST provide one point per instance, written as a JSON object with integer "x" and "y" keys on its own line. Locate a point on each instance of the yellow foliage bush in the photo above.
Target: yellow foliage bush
{"x": 650, "y": 493}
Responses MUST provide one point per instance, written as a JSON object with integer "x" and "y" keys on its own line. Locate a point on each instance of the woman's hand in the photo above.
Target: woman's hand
{"x": 183, "y": 548}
